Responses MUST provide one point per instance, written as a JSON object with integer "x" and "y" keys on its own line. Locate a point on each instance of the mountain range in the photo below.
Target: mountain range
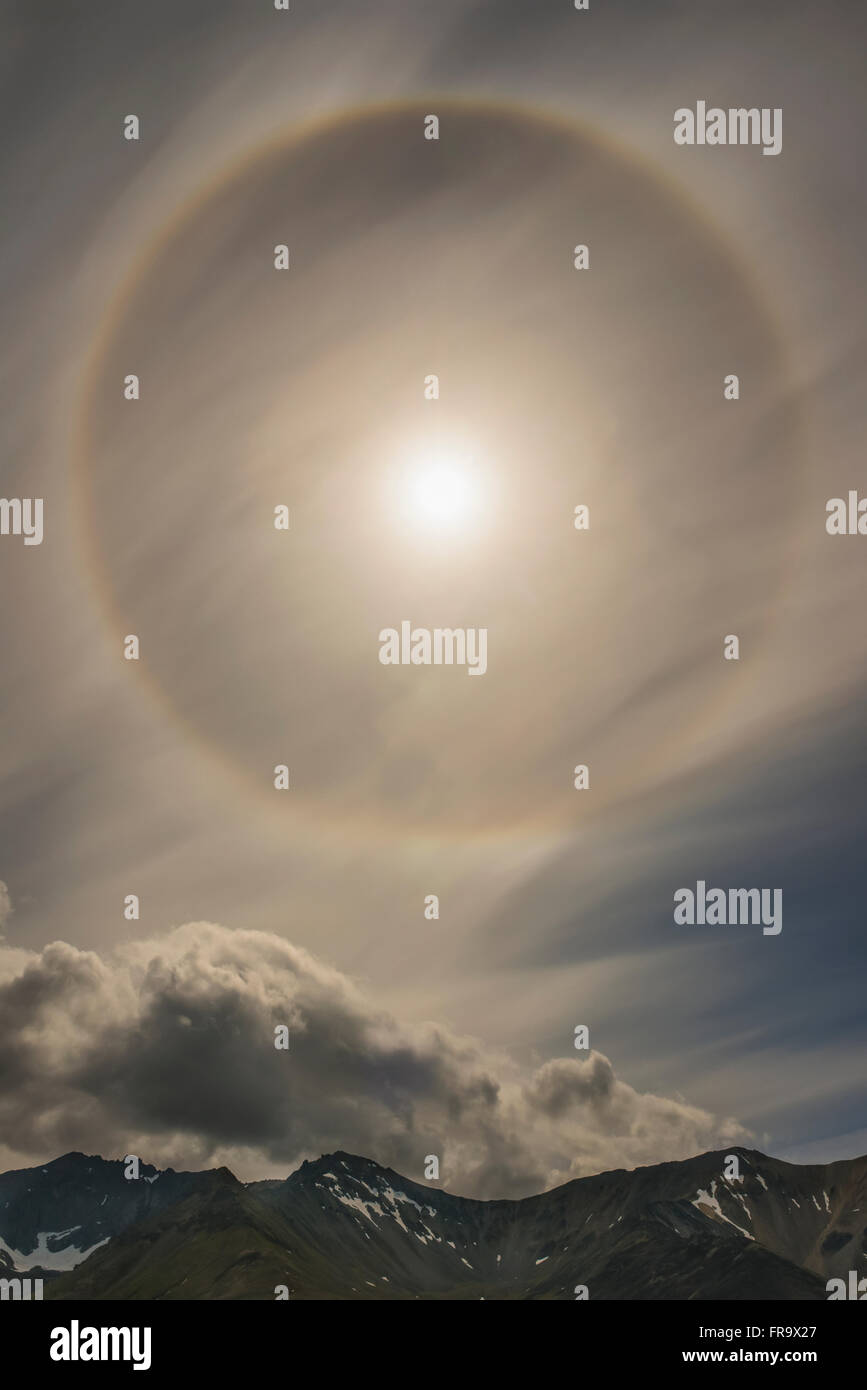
{"x": 343, "y": 1227}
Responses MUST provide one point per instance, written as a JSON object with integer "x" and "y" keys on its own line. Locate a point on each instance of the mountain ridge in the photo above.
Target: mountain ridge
{"x": 345, "y": 1227}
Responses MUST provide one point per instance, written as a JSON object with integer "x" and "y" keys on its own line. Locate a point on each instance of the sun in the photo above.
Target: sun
{"x": 441, "y": 489}
{"x": 440, "y": 493}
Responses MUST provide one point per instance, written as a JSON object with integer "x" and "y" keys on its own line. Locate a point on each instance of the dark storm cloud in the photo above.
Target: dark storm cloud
{"x": 167, "y": 1049}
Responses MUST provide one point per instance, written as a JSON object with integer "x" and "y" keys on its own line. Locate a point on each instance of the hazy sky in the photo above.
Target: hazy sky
{"x": 259, "y": 647}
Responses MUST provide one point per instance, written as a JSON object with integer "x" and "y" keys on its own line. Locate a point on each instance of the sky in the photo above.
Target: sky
{"x": 305, "y": 388}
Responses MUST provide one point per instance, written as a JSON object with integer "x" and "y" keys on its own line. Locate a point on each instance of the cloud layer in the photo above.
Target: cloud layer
{"x": 167, "y": 1049}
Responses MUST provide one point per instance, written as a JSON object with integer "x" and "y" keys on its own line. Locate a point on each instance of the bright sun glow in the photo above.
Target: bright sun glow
{"x": 442, "y": 490}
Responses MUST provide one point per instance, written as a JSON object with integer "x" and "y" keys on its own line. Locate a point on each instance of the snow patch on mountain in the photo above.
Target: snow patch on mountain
{"x": 64, "y": 1259}
{"x": 710, "y": 1199}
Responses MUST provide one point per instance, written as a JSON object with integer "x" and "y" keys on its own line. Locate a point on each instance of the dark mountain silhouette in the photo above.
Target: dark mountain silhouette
{"x": 343, "y": 1227}
{"x": 52, "y": 1216}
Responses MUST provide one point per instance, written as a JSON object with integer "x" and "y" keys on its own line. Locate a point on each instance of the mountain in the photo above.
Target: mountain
{"x": 52, "y": 1218}
{"x": 343, "y": 1227}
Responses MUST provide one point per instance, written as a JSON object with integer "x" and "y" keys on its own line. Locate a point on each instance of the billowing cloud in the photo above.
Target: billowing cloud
{"x": 166, "y": 1049}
